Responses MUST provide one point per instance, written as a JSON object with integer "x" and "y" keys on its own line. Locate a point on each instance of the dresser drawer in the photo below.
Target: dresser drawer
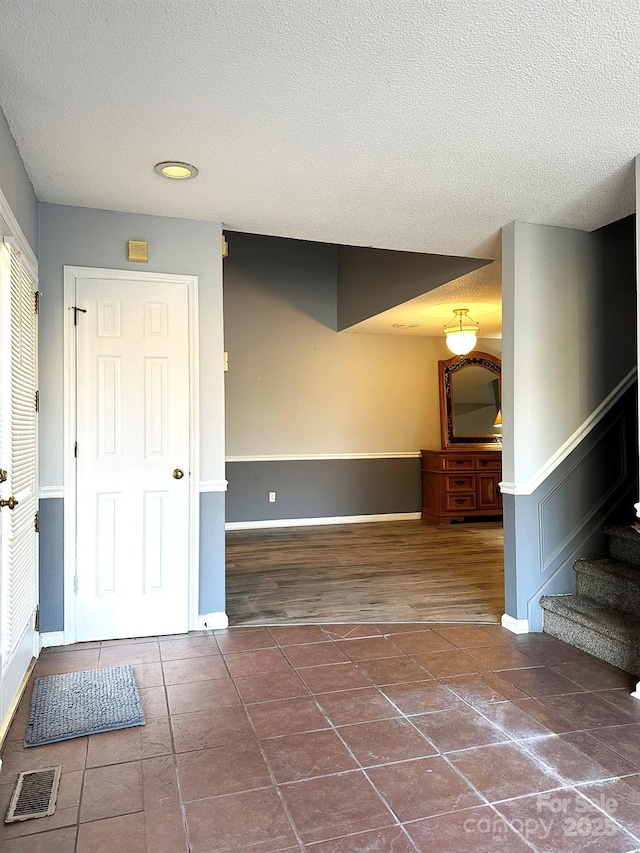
{"x": 458, "y": 463}
{"x": 460, "y": 483}
{"x": 455, "y": 503}
{"x": 489, "y": 463}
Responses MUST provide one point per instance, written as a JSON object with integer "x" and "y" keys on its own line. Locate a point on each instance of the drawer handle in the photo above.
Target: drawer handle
{"x": 484, "y": 462}
{"x": 460, "y": 461}
{"x": 459, "y": 482}
{"x": 461, "y": 500}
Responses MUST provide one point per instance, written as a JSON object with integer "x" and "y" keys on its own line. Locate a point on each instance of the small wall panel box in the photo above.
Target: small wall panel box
{"x": 138, "y": 250}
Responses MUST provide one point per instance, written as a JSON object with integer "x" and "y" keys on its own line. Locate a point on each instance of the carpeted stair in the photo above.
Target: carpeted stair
{"x": 603, "y": 617}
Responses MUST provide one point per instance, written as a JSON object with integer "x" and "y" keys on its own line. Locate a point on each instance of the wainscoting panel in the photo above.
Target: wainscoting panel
{"x": 565, "y": 517}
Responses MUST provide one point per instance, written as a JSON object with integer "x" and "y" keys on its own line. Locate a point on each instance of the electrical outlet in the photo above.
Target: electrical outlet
{"x": 272, "y": 497}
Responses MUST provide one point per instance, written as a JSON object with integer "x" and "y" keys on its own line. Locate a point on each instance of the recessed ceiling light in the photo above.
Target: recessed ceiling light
{"x": 176, "y": 170}
{"x": 406, "y": 325}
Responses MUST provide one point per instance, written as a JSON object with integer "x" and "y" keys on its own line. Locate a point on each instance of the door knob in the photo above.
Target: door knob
{"x": 178, "y": 473}
{"x": 12, "y": 503}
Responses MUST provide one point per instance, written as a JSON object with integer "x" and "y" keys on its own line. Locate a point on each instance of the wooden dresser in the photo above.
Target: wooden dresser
{"x": 459, "y": 484}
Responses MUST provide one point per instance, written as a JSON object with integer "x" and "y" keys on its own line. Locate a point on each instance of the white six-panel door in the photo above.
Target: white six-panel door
{"x": 133, "y": 443}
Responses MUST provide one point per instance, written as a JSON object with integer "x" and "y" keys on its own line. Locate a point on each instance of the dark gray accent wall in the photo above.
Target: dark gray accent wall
{"x": 565, "y": 518}
{"x": 317, "y": 488}
{"x": 371, "y": 281}
{"x": 51, "y": 556}
{"x": 16, "y": 186}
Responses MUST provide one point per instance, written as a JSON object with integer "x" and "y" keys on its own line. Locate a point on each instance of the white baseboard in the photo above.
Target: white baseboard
{"x": 51, "y": 638}
{"x": 213, "y": 621}
{"x": 312, "y": 522}
{"x": 516, "y": 626}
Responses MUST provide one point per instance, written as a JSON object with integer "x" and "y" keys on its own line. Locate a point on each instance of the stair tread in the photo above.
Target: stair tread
{"x": 592, "y": 615}
{"x": 610, "y": 565}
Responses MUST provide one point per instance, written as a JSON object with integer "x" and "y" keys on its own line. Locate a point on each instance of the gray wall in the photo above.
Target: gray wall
{"x": 569, "y": 334}
{"x": 51, "y": 550}
{"x": 371, "y": 281}
{"x": 296, "y": 387}
{"x": 569, "y": 340}
{"x": 97, "y": 238}
{"x": 16, "y": 186}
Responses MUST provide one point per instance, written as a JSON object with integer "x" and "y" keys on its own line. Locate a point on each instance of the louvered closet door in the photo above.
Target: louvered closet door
{"x": 18, "y": 457}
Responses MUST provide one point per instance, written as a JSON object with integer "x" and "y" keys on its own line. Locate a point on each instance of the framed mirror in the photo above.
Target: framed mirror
{"x": 471, "y": 401}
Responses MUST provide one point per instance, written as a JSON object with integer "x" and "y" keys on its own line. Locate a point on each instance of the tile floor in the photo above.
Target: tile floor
{"x": 345, "y": 739}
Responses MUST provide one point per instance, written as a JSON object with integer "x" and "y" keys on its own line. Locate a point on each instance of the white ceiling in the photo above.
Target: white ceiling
{"x": 422, "y": 124}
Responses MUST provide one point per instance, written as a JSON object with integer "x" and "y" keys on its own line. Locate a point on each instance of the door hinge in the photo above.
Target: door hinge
{"x": 225, "y": 247}
{"x": 75, "y": 584}
{"x": 37, "y": 401}
{"x": 36, "y": 299}
{"x": 36, "y": 522}
{"x": 36, "y": 624}
{"x": 75, "y": 449}
{"x": 3, "y": 475}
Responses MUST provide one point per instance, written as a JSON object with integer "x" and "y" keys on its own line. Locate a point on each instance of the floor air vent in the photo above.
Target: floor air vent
{"x": 35, "y": 794}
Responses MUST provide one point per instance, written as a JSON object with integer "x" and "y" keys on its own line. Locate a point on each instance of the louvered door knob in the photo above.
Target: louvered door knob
{"x": 11, "y": 503}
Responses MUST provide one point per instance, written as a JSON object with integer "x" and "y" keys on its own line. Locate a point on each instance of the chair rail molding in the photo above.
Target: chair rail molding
{"x": 51, "y": 492}
{"x": 304, "y": 457}
{"x": 529, "y": 487}
{"x": 213, "y": 486}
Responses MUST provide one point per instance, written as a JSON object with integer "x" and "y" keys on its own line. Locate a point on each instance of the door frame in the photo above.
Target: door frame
{"x": 71, "y": 275}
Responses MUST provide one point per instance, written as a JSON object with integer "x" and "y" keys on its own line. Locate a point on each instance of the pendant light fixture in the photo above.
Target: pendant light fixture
{"x": 461, "y": 333}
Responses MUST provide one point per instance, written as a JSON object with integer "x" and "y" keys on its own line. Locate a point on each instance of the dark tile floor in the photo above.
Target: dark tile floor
{"x": 345, "y": 739}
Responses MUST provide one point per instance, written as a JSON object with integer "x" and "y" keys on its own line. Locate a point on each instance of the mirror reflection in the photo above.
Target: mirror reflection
{"x": 470, "y": 403}
{"x": 475, "y": 392}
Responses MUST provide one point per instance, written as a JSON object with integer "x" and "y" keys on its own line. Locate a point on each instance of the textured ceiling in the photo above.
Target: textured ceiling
{"x": 422, "y": 125}
{"x": 480, "y": 291}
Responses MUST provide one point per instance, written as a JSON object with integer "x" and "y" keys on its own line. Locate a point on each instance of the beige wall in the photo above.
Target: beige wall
{"x": 296, "y": 386}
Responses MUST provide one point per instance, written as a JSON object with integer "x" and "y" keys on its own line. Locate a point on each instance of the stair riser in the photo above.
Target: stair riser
{"x": 615, "y": 593}
{"x": 625, "y": 549}
{"x": 615, "y": 652}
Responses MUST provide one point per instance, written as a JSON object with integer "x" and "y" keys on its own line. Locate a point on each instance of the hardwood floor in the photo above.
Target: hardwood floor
{"x": 385, "y": 572}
